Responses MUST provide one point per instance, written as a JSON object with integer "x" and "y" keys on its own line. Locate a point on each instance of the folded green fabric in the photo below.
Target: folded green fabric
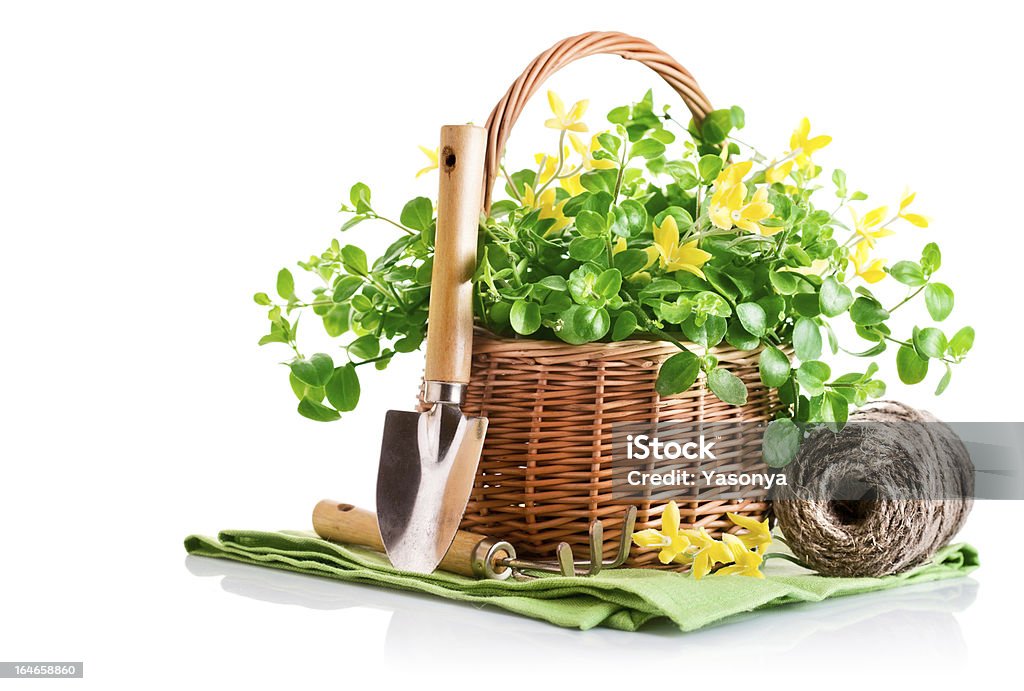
{"x": 622, "y": 598}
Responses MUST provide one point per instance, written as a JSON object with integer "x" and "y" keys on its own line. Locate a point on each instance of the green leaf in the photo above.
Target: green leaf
{"x": 630, "y": 261}
{"x": 314, "y": 410}
{"x": 781, "y": 442}
{"x": 774, "y": 367}
{"x": 709, "y": 334}
{"x": 359, "y": 195}
{"x": 867, "y": 312}
{"x": 727, "y": 386}
{"x": 807, "y": 304}
{"x": 313, "y": 371}
{"x": 556, "y": 283}
{"x": 706, "y": 302}
{"x": 806, "y": 339}
{"x": 582, "y": 324}
{"x": 625, "y": 326}
{"x": 285, "y": 284}
{"x": 599, "y": 180}
{"x": 619, "y": 116}
{"x": 525, "y": 317}
{"x": 812, "y": 376}
{"x": 674, "y": 312}
{"x": 774, "y": 307}
{"x": 839, "y": 179}
{"x": 261, "y": 299}
{"x": 345, "y": 287}
{"x": 352, "y": 222}
{"x": 677, "y": 374}
{"x": 343, "y": 388}
{"x": 930, "y": 342}
{"x": 418, "y": 214}
{"x": 752, "y": 317}
{"x": 709, "y": 167}
{"x": 784, "y": 282}
{"x": 908, "y": 273}
{"x": 608, "y": 283}
{"x": 835, "y": 410}
{"x": 911, "y": 367}
{"x": 629, "y": 219}
{"x": 944, "y": 382}
{"x": 365, "y": 347}
{"x": 298, "y": 386}
{"x": 835, "y": 298}
{"x": 739, "y": 338}
{"x": 961, "y": 342}
{"x": 716, "y": 126}
{"x": 591, "y": 224}
{"x": 938, "y": 298}
{"x": 931, "y": 258}
{"x": 354, "y": 260}
{"x": 648, "y": 148}
{"x": 585, "y": 249}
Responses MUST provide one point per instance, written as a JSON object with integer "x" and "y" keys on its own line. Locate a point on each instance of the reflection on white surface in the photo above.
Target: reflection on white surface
{"x": 908, "y": 626}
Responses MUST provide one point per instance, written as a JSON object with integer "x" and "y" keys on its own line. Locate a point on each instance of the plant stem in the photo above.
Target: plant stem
{"x": 402, "y": 228}
{"x": 908, "y": 298}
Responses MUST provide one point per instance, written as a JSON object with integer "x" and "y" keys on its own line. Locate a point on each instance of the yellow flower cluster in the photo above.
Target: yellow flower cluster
{"x": 872, "y": 226}
{"x": 741, "y": 554}
{"x": 729, "y": 206}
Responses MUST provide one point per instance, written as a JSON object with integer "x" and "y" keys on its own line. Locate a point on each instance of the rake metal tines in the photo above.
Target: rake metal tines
{"x": 566, "y": 564}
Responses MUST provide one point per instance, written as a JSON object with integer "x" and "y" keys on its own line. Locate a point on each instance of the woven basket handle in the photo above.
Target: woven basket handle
{"x": 505, "y": 114}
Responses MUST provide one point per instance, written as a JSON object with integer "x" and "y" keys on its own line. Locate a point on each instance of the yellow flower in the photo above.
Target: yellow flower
{"x": 727, "y": 208}
{"x": 817, "y": 268}
{"x": 619, "y": 246}
{"x": 803, "y": 145}
{"x": 587, "y": 153}
{"x": 566, "y": 121}
{"x": 672, "y": 542}
{"x": 431, "y": 154}
{"x": 871, "y": 270}
{"x": 733, "y": 174}
{"x": 549, "y": 207}
{"x": 747, "y": 217}
{"x": 778, "y": 173}
{"x": 758, "y": 535}
{"x": 870, "y": 226}
{"x": 724, "y": 203}
{"x": 746, "y": 562}
{"x": 672, "y": 255}
{"x": 706, "y": 552}
{"x": 548, "y": 165}
{"x": 913, "y": 219}
{"x": 572, "y": 185}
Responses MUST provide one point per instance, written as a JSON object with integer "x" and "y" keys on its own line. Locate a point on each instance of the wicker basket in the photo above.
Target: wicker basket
{"x": 545, "y": 473}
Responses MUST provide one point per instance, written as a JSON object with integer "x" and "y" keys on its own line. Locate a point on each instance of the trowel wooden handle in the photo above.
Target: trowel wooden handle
{"x": 459, "y": 201}
{"x": 350, "y": 525}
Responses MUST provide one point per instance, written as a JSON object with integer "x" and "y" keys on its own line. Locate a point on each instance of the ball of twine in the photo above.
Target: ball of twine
{"x": 883, "y": 532}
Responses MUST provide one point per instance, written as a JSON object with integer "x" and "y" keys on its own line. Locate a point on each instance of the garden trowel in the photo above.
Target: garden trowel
{"x": 428, "y": 460}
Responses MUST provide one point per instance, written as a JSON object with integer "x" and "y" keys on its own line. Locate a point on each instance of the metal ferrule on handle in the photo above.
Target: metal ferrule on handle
{"x": 444, "y": 392}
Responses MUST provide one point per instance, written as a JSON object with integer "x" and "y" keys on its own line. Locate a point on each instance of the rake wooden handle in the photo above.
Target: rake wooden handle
{"x": 450, "y": 327}
{"x": 350, "y": 525}
{"x": 505, "y": 114}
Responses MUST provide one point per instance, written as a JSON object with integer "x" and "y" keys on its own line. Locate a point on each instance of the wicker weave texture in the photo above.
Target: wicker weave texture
{"x": 546, "y": 472}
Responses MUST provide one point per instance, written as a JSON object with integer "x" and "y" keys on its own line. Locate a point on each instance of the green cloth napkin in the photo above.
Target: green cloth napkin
{"x": 621, "y": 598}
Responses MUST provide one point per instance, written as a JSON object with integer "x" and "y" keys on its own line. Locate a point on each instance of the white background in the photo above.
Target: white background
{"x": 159, "y": 162}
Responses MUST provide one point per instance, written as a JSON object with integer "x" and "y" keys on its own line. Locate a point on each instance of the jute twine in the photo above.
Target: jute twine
{"x": 884, "y": 532}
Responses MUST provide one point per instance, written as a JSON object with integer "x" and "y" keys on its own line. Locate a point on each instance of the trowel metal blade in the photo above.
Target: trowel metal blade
{"x": 427, "y": 466}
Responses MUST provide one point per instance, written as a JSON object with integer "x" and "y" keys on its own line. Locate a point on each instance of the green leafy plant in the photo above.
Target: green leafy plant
{"x": 649, "y": 229}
